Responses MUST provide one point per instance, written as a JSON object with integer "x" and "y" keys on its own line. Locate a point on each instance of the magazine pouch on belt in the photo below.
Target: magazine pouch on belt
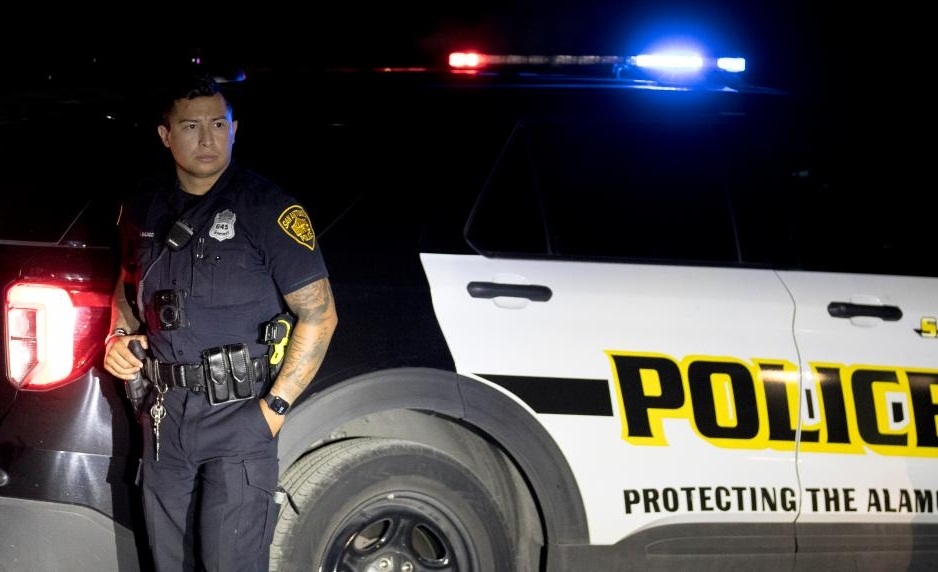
{"x": 230, "y": 373}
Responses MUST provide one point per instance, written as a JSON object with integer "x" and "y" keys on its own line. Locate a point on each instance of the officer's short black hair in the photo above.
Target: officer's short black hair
{"x": 189, "y": 85}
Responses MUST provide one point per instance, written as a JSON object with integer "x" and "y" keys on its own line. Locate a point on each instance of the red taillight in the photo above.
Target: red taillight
{"x": 52, "y": 332}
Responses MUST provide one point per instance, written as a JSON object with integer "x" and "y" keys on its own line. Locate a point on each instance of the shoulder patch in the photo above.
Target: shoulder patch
{"x": 295, "y": 222}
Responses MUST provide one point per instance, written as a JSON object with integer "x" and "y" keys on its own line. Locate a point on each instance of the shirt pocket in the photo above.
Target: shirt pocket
{"x": 222, "y": 275}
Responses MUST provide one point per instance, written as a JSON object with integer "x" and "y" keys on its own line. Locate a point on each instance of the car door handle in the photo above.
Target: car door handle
{"x": 849, "y": 310}
{"x": 532, "y": 292}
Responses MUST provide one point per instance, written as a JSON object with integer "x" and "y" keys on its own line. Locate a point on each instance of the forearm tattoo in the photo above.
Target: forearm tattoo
{"x": 316, "y": 319}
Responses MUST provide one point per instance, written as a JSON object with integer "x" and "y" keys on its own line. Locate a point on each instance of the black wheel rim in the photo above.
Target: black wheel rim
{"x": 401, "y": 532}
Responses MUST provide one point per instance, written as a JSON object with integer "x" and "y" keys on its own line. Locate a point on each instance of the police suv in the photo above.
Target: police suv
{"x": 595, "y": 313}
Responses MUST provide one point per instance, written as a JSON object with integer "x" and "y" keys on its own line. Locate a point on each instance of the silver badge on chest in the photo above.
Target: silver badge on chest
{"x": 223, "y": 227}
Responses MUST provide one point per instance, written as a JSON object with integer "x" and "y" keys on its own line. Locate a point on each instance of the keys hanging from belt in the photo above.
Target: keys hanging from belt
{"x": 157, "y": 412}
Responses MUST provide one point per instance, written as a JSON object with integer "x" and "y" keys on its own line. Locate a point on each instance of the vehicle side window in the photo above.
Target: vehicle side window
{"x": 844, "y": 229}
{"x": 631, "y": 191}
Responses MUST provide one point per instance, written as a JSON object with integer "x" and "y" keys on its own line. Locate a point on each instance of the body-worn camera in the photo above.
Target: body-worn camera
{"x": 170, "y": 309}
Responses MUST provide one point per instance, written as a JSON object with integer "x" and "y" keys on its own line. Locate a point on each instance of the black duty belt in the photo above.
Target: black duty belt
{"x": 192, "y": 376}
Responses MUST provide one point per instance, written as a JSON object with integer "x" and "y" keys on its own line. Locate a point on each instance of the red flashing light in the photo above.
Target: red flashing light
{"x": 467, "y": 60}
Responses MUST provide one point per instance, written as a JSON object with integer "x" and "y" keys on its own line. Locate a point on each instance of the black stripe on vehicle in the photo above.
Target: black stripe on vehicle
{"x": 566, "y": 396}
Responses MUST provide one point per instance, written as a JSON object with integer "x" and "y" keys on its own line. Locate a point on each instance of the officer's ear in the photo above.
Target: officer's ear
{"x": 163, "y": 132}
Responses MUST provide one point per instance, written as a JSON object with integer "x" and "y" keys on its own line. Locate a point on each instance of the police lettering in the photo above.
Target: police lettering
{"x": 710, "y": 499}
{"x": 921, "y": 501}
{"x": 734, "y": 404}
{"x": 771, "y": 499}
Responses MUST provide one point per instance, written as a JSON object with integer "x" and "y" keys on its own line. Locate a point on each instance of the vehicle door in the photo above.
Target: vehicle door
{"x": 606, "y": 298}
{"x": 865, "y": 325}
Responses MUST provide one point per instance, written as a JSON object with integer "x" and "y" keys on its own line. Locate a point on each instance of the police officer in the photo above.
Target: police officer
{"x": 210, "y": 254}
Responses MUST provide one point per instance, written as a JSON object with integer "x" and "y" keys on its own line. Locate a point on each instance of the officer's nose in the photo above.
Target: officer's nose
{"x": 206, "y": 139}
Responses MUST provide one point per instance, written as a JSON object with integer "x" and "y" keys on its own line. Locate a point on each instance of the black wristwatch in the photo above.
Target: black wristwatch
{"x": 277, "y": 404}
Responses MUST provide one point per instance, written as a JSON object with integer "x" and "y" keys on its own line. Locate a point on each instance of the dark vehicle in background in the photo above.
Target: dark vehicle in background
{"x": 68, "y": 445}
{"x": 568, "y": 336}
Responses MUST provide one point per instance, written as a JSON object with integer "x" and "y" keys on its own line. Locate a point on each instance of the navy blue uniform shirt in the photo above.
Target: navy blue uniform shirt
{"x": 252, "y": 243}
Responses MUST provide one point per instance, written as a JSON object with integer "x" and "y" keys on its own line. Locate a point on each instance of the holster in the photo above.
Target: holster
{"x": 229, "y": 372}
{"x": 136, "y": 390}
{"x": 138, "y": 387}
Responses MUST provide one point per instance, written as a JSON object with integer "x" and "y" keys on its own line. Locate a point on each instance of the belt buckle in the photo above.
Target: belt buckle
{"x": 194, "y": 385}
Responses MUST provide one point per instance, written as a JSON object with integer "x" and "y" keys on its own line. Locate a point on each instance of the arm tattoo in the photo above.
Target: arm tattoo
{"x": 316, "y": 319}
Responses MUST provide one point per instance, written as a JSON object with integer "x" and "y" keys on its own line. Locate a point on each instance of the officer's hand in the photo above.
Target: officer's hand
{"x": 119, "y": 361}
{"x": 274, "y": 421}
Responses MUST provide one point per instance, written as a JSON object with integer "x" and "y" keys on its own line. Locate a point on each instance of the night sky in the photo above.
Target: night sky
{"x": 831, "y": 51}
{"x": 842, "y": 54}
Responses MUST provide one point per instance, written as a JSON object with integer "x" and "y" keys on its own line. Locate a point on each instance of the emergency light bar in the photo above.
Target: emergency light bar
{"x": 678, "y": 66}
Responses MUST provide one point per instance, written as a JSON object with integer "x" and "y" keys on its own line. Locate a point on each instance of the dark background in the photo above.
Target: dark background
{"x": 788, "y": 43}
{"x": 860, "y": 63}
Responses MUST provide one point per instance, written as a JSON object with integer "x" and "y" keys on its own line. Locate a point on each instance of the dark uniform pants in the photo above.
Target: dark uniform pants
{"x": 209, "y": 500}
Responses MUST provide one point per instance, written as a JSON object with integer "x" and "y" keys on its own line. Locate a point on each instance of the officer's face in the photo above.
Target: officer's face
{"x": 200, "y": 136}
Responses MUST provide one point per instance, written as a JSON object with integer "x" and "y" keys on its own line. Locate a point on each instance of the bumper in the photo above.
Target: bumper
{"x": 38, "y": 535}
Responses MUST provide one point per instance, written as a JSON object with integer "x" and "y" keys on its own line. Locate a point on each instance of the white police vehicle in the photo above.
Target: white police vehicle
{"x": 592, "y": 316}
{"x": 678, "y": 338}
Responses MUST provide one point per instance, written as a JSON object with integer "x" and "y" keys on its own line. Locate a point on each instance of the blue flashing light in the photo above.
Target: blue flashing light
{"x": 733, "y": 65}
{"x": 689, "y": 62}
{"x": 670, "y": 61}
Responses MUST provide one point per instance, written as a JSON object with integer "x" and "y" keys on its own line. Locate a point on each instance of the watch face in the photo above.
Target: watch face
{"x": 277, "y": 404}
